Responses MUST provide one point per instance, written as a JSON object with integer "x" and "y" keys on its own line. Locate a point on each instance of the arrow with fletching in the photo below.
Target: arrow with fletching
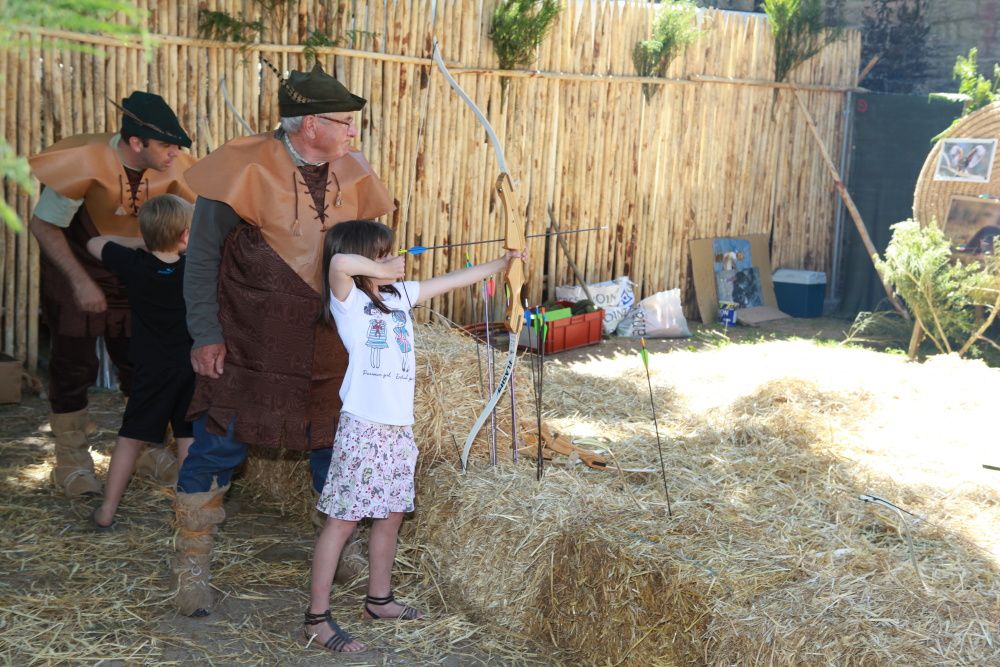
{"x": 419, "y": 249}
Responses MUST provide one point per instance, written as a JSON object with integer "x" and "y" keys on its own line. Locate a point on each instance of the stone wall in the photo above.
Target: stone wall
{"x": 956, "y": 26}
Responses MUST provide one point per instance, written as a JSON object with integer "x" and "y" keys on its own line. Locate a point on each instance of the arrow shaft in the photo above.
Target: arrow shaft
{"x": 416, "y": 250}
{"x": 656, "y": 423}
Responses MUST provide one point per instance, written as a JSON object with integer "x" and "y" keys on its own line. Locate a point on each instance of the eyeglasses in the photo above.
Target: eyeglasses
{"x": 348, "y": 123}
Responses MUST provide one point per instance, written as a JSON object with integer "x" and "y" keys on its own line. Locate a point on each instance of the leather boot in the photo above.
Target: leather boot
{"x": 74, "y": 468}
{"x": 158, "y": 464}
{"x": 198, "y": 516}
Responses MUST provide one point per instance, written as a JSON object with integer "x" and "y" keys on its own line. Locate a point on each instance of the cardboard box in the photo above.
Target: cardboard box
{"x": 800, "y": 293}
{"x": 10, "y": 379}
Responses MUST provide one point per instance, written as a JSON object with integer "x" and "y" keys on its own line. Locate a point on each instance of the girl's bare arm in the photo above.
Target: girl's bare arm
{"x": 464, "y": 277}
{"x": 344, "y": 267}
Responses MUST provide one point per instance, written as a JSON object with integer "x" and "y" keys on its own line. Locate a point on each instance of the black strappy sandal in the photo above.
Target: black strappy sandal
{"x": 112, "y": 527}
{"x": 340, "y": 637}
{"x": 408, "y": 613}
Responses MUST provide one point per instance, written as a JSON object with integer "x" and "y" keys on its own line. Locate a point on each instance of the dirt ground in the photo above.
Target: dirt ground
{"x": 69, "y": 596}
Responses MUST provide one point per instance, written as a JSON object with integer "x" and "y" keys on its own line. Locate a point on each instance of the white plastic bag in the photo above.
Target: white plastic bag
{"x": 615, "y": 297}
{"x": 657, "y": 316}
{"x": 633, "y": 324}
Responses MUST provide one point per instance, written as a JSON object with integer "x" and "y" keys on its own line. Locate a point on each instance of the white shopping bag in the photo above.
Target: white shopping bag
{"x": 614, "y": 297}
{"x": 657, "y": 316}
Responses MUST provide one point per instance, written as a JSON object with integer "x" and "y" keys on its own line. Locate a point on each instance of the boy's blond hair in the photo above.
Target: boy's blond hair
{"x": 162, "y": 220}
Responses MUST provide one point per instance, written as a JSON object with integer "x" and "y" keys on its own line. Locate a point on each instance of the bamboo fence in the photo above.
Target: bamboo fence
{"x": 718, "y": 150}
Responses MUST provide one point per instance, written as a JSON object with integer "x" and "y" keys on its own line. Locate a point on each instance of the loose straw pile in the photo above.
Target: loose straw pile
{"x": 70, "y": 596}
{"x": 770, "y": 557}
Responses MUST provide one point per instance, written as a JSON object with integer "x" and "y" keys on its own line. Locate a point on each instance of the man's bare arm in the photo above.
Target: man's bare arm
{"x": 95, "y": 246}
{"x": 88, "y": 296}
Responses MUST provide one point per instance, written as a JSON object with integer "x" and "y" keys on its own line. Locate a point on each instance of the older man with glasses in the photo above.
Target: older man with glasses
{"x": 269, "y": 372}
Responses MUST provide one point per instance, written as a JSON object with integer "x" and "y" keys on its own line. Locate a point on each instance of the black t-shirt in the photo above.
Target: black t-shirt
{"x": 156, "y": 298}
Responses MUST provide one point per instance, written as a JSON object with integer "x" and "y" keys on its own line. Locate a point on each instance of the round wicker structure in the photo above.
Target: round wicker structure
{"x": 932, "y": 198}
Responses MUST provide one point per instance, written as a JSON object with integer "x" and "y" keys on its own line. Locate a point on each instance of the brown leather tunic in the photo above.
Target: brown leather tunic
{"x": 86, "y": 167}
{"x": 283, "y": 365}
{"x": 283, "y": 368}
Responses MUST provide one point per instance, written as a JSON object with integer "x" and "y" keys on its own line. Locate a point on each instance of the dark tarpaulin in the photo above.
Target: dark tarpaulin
{"x": 891, "y": 139}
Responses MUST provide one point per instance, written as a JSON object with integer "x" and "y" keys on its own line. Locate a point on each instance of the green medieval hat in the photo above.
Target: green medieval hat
{"x": 304, "y": 94}
{"x": 148, "y": 116}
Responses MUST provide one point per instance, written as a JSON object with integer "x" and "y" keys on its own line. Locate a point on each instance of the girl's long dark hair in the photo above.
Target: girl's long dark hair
{"x": 367, "y": 238}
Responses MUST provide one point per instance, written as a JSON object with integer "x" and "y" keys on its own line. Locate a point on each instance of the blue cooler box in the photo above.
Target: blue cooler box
{"x": 800, "y": 293}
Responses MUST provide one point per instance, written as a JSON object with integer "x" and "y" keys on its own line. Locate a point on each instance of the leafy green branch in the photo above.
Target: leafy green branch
{"x": 517, "y": 27}
{"x": 673, "y": 29}
{"x": 221, "y": 27}
{"x": 940, "y": 291}
{"x": 975, "y": 91}
{"x": 800, "y": 32}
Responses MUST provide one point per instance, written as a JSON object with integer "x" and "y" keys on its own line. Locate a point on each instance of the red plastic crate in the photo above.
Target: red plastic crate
{"x": 572, "y": 332}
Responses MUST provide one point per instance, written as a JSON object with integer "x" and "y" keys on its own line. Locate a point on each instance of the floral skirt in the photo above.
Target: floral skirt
{"x": 371, "y": 473}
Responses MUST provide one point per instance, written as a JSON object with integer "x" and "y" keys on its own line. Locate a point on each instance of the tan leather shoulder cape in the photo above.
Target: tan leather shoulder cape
{"x": 256, "y": 177}
{"x": 86, "y": 167}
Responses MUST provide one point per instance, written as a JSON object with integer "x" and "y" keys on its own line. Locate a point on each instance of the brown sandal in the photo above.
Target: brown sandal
{"x": 340, "y": 637}
{"x": 408, "y": 613}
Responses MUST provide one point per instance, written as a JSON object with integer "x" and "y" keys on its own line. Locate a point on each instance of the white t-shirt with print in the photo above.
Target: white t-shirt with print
{"x": 380, "y": 379}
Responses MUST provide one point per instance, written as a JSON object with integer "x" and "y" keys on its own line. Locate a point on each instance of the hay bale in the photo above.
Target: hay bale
{"x": 769, "y": 558}
{"x": 566, "y": 561}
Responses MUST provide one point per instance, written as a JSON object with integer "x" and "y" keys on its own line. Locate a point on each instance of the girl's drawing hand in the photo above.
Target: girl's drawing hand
{"x": 392, "y": 267}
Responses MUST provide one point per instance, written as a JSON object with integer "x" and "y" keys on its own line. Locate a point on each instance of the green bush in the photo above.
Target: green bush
{"x": 940, "y": 291}
{"x": 673, "y": 29}
{"x": 517, "y": 28}
{"x": 800, "y": 32}
{"x": 974, "y": 90}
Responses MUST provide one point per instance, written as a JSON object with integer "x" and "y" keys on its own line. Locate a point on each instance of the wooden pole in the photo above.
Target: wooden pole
{"x": 569, "y": 259}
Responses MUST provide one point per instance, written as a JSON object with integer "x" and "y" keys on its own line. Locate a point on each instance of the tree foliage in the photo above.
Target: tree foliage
{"x": 800, "y": 32}
{"x": 974, "y": 90}
{"x": 117, "y": 18}
{"x": 221, "y": 27}
{"x": 517, "y": 27}
{"x": 317, "y": 39}
{"x": 673, "y": 29}
{"x": 896, "y": 31}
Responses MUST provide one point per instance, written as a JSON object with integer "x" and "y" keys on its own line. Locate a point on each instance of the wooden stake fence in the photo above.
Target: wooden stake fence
{"x": 702, "y": 158}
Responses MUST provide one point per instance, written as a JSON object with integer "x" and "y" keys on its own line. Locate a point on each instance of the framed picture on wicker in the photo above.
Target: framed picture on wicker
{"x": 968, "y": 160}
{"x": 972, "y": 224}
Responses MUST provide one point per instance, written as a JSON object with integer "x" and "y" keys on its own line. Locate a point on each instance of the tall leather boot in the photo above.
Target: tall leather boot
{"x": 74, "y": 468}
{"x": 158, "y": 464}
{"x": 198, "y": 516}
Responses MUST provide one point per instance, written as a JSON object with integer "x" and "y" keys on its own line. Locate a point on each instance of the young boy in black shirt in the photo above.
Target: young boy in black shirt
{"x": 152, "y": 269}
